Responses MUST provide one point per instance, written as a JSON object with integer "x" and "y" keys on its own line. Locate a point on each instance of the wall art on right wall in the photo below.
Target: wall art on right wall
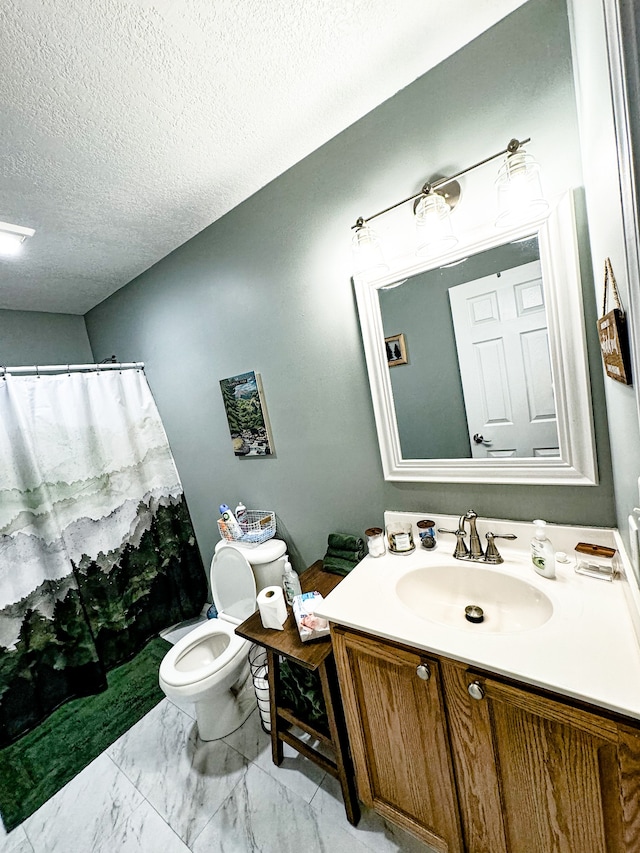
{"x": 613, "y": 334}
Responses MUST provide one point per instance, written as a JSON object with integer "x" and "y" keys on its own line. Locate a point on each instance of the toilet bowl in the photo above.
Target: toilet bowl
{"x": 209, "y": 666}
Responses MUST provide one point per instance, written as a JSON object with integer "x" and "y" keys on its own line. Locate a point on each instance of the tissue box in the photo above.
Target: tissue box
{"x": 309, "y": 625}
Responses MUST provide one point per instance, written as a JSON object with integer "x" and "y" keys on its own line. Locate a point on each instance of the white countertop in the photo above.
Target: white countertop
{"x": 588, "y": 649}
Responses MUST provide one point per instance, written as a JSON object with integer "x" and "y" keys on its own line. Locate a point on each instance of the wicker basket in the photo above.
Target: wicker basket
{"x": 258, "y": 526}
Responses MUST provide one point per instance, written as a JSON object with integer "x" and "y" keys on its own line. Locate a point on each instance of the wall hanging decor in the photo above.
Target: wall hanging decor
{"x": 247, "y": 415}
{"x": 613, "y": 334}
{"x": 396, "y": 348}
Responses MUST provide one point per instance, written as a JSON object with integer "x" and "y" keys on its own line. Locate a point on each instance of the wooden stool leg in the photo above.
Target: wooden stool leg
{"x": 338, "y": 730}
{"x": 273, "y": 675}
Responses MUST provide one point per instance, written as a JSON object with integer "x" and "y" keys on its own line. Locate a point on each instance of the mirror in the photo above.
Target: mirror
{"x": 477, "y": 361}
{"x": 491, "y": 394}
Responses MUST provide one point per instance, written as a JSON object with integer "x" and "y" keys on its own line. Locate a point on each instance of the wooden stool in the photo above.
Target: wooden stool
{"x": 315, "y": 655}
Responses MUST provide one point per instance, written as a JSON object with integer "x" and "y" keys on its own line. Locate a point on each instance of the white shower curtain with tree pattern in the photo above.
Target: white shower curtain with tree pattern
{"x": 97, "y": 550}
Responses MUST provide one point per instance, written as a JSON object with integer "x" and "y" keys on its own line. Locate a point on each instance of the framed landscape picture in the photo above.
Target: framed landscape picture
{"x": 247, "y": 415}
{"x": 396, "y": 350}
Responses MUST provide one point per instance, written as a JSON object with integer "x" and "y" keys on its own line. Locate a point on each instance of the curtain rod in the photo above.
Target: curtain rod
{"x": 71, "y": 368}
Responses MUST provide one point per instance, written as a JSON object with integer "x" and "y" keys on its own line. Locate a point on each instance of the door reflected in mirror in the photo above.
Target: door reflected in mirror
{"x": 478, "y": 380}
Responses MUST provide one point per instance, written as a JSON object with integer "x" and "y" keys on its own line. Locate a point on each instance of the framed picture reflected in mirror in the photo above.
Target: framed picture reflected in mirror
{"x": 396, "y": 350}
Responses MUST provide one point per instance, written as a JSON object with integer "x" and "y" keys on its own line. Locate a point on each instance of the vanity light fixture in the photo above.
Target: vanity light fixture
{"x": 519, "y": 197}
{"x": 367, "y": 250}
{"x": 433, "y": 225}
{"x": 12, "y": 237}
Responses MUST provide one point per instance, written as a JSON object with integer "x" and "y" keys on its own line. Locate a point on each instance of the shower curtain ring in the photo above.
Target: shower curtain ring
{"x": 37, "y": 371}
{"x": 4, "y": 372}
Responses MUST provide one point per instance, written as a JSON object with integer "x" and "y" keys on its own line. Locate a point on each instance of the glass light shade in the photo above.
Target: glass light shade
{"x": 520, "y": 197}
{"x": 433, "y": 225}
{"x": 367, "y": 251}
{"x": 10, "y": 244}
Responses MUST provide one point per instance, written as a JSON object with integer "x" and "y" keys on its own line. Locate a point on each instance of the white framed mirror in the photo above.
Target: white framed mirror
{"x": 512, "y": 405}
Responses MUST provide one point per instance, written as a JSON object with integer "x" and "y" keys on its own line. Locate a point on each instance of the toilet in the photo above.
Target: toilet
{"x": 210, "y": 666}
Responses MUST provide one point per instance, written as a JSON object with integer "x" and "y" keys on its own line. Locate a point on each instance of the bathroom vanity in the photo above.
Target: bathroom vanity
{"x": 518, "y": 735}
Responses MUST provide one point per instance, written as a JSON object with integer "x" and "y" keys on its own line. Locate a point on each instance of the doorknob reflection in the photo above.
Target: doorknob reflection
{"x": 480, "y": 440}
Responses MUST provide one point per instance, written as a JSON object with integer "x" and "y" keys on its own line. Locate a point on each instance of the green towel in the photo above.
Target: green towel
{"x": 346, "y": 542}
{"x": 351, "y": 556}
{"x": 343, "y": 553}
{"x": 337, "y": 566}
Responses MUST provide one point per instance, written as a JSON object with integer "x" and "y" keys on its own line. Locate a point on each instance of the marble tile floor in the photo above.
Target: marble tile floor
{"x": 160, "y": 789}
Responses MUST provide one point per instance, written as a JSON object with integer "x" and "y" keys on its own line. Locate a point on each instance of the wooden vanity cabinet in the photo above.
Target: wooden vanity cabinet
{"x": 533, "y": 773}
{"x": 536, "y": 774}
{"x": 398, "y": 734}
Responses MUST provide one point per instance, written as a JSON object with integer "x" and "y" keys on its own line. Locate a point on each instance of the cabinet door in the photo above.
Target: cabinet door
{"x": 398, "y": 737}
{"x": 539, "y": 776}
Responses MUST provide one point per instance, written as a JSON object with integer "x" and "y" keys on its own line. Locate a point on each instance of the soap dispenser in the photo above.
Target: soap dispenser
{"x": 290, "y": 581}
{"x": 542, "y": 552}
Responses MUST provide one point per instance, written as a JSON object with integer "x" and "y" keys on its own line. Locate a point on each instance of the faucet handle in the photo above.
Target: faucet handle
{"x": 492, "y": 554}
{"x": 461, "y": 551}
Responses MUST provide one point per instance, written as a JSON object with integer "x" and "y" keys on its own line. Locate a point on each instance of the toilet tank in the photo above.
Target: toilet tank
{"x": 266, "y": 560}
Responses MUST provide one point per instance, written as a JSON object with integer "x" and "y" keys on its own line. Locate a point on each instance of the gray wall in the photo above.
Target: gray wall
{"x": 427, "y": 391}
{"x": 37, "y": 337}
{"x": 267, "y": 288}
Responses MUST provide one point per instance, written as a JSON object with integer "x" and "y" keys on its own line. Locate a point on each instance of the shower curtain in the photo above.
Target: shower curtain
{"x": 97, "y": 549}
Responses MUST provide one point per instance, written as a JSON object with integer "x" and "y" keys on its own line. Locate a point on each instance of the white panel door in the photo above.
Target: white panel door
{"x": 501, "y": 334}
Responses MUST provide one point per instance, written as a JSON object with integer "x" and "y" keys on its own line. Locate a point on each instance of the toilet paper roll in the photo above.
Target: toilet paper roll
{"x": 272, "y": 607}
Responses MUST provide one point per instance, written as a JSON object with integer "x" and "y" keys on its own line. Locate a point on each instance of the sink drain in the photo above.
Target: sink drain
{"x": 473, "y": 613}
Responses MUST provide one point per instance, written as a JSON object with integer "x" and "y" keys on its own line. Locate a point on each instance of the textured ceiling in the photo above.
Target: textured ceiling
{"x": 127, "y": 127}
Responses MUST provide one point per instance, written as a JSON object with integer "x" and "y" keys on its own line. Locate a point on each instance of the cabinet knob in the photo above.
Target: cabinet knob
{"x": 423, "y": 672}
{"x": 476, "y": 690}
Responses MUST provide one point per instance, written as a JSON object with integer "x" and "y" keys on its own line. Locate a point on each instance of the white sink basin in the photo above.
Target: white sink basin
{"x": 441, "y": 594}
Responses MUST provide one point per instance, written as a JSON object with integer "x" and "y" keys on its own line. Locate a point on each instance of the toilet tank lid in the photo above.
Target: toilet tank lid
{"x": 265, "y": 552}
{"x": 232, "y": 581}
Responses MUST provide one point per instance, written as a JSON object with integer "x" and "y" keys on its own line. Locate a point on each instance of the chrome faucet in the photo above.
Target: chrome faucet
{"x": 475, "y": 546}
{"x": 474, "y": 552}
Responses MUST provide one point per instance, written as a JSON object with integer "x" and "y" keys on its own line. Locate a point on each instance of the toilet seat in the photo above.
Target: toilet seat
{"x": 201, "y": 645}
{"x": 233, "y": 585}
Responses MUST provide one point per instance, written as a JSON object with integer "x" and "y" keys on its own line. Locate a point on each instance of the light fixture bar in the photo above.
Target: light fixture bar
{"x": 23, "y": 231}
{"x": 511, "y": 148}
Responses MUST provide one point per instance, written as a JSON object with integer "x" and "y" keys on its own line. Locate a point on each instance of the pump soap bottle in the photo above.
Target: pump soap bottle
{"x": 290, "y": 581}
{"x": 542, "y": 552}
